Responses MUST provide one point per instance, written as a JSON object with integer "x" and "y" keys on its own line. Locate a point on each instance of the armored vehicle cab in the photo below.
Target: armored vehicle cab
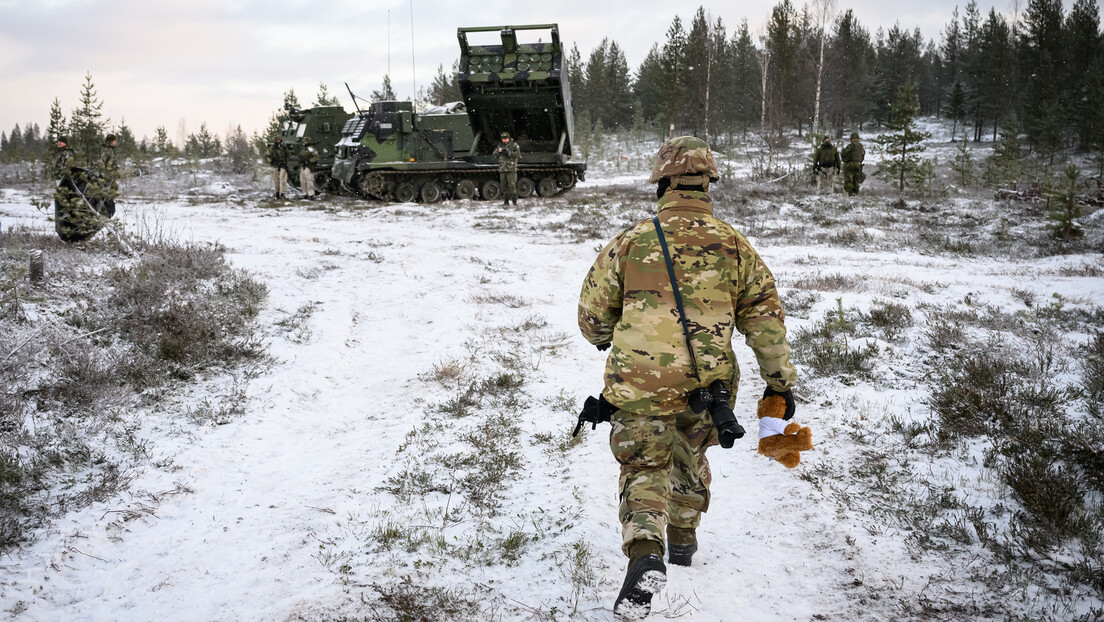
{"x": 322, "y": 124}
{"x": 391, "y": 152}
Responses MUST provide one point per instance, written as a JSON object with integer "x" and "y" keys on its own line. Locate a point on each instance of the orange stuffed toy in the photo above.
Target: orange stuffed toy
{"x": 778, "y": 439}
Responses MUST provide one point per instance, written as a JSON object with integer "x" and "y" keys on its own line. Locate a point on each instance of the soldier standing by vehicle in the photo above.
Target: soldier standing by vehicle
{"x": 665, "y": 349}
{"x": 278, "y": 158}
{"x": 853, "y": 155}
{"x": 826, "y": 165}
{"x": 308, "y": 162}
{"x": 508, "y": 155}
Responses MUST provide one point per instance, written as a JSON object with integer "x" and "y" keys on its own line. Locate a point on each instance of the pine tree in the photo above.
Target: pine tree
{"x": 1086, "y": 59}
{"x": 904, "y": 144}
{"x": 4, "y": 155}
{"x": 125, "y": 145}
{"x": 956, "y": 108}
{"x": 239, "y": 150}
{"x": 57, "y": 123}
{"x": 324, "y": 98}
{"x": 698, "y": 61}
{"x": 575, "y": 78}
{"x": 445, "y": 87}
{"x": 87, "y": 123}
{"x": 1065, "y": 205}
{"x": 1045, "y": 114}
{"x": 1006, "y": 164}
{"x": 647, "y": 87}
{"x": 996, "y": 70}
{"x": 161, "y": 143}
{"x": 619, "y": 113}
{"x": 14, "y": 152}
{"x": 849, "y": 79}
{"x": 963, "y": 164}
{"x": 386, "y": 93}
{"x": 743, "y": 89}
{"x": 672, "y": 87}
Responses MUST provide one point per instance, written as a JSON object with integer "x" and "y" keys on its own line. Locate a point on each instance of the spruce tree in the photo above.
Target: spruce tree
{"x": 87, "y": 124}
{"x": 57, "y": 123}
{"x": 386, "y": 93}
{"x": 904, "y": 143}
{"x": 963, "y": 164}
{"x": 1065, "y": 205}
{"x": 324, "y": 98}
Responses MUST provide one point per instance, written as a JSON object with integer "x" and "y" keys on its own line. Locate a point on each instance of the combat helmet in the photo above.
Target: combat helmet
{"x": 505, "y": 135}
{"x": 854, "y": 135}
{"x": 686, "y": 161}
{"x": 110, "y": 138}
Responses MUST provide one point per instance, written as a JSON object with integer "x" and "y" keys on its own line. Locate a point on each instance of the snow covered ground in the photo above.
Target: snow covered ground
{"x": 411, "y": 445}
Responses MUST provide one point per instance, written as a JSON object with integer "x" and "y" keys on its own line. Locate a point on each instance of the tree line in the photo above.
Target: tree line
{"x": 1040, "y": 72}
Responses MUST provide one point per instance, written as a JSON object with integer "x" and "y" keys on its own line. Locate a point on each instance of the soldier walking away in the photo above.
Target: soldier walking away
{"x": 278, "y": 158}
{"x": 853, "y": 155}
{"x": 664, "y": 297}
{"x": 826, "y": 165}
{"x": 308, "y": 163}
{"x": 508, "y": 155}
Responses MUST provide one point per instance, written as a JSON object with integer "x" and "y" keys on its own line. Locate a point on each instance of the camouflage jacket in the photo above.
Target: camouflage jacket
{"x": 63, "y": 163}
{"x": 308, "y": 157}
{"x": 278, "y": 155}
{"x": 109, "y": 166}
{"x": 627, "y": 301}
{"x": 827, "y": 157}
{"x": 508, "y": 156}
{"x": 854, "y": 152}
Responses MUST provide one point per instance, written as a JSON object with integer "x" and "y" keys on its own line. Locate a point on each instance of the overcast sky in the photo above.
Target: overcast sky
{"x": 228, "y": 62}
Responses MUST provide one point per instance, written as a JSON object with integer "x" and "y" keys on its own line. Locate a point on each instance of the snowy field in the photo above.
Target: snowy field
{"x": 409, "y": 446}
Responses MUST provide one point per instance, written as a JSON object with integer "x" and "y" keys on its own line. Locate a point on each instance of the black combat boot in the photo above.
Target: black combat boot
{"x": 682, "y": 543}
{"x": 645, "y": 577}
{"x": 515, "y": 202}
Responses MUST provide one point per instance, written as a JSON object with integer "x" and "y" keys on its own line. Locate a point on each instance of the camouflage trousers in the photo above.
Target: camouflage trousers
{"x": 664, "y": 473}
{"x": 852, "y": 177}
{"x": 826, "y": 178}
{"x": 279, "y": 178}
{"x": 508, "y": 181}
{"x": 306, "y": 181}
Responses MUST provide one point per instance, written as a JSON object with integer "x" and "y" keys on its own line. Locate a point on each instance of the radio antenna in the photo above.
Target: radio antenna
{"x": 413, "y": 75}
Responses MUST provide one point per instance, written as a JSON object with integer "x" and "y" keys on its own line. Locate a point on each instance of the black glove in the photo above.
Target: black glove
{"x": 594, "y": 411}
{"x": 602, "y": 347}
{"x": 786, "y": 395}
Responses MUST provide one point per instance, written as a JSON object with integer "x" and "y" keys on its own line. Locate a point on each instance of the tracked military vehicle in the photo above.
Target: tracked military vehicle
{"x": 391, "y": 152}
{"x": 322, "y": 125}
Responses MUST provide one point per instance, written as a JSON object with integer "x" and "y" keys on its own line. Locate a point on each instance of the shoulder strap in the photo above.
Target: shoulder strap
{"x": 678, "y": 296}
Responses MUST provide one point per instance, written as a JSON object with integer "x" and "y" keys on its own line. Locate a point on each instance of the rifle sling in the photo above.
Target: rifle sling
{"x": 678, "y": 296}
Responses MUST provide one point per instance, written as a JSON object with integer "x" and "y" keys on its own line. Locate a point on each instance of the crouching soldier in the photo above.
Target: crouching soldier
{"x": 664, "y": 297}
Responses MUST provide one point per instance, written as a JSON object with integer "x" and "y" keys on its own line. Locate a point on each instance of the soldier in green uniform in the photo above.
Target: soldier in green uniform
{"x": 109, "y": 169}
{"x": 627, "y": 305}
{"x": 308, "y": 163}
{"x": 79, "y": 209}
{"x": 508, "y": 155}
{"x": 826, "y": 165}
{"x": 853, "y": 155}
{"x": 278, "y": 158}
